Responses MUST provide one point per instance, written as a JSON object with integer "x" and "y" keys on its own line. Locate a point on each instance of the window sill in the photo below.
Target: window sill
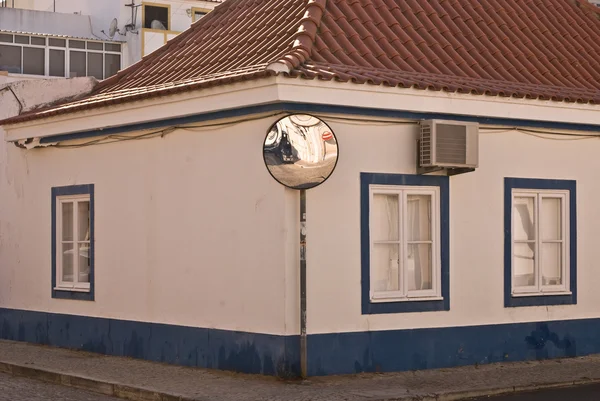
{"x": 71, "y": 289}
{"x": 406, "y": 305}
{"x": 541, "y": 299}
{"x": 540, "y": 294}
{"x": 404, "y": 299}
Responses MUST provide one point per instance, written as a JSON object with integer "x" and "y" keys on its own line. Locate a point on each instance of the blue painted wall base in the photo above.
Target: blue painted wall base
{"x": 189, "y": 346}
{"x": 417, "y": 349}
{"x": 328, "y": 354}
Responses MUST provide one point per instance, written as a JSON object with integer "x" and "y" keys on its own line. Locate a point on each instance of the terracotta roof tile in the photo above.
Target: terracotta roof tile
{"x": 537, "y": 49}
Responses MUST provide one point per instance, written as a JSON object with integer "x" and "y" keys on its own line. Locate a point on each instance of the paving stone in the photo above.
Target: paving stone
{"x": 152, "y": 379}
{"x": 23, "y": 389}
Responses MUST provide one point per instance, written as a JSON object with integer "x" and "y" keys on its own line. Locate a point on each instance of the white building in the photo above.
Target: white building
{"x": 140, "y": 219}
{"x": 73, "y": 38}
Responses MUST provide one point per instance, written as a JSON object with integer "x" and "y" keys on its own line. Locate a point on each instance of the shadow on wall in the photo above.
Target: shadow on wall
{"x": 188, "y": 346}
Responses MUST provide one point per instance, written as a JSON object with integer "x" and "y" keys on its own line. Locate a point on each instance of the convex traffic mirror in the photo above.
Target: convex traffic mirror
{"x": 300, "y": 151}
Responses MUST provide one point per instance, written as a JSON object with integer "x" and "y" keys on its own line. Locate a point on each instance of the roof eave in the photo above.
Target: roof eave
{"x": 348, "y": 97}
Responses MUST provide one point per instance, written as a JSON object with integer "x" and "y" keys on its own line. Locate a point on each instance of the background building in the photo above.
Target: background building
{"x": 67, "y": 38}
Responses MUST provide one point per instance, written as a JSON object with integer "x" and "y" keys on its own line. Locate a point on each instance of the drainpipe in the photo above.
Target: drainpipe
{"x": 303, "y": 352}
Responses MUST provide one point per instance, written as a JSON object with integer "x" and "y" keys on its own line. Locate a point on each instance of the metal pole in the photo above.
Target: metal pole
{"x": 303, "y": 353}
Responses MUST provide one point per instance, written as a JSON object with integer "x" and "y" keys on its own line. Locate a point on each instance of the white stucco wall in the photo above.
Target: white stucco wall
{"x": 182, "y": 240}
{"x": 476, "y": 228}
{"x": 190, "y": 229}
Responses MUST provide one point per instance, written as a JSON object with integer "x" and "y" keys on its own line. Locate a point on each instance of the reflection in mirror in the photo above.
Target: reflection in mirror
{"x": 300, "y": 151}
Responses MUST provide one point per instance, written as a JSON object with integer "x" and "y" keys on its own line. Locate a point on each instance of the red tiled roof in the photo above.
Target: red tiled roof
{"x": 539, "y": 49}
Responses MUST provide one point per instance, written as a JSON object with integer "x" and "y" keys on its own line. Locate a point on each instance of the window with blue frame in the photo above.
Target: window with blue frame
{"x": 540, "y": 229}
{"x": 73, "y": 242}
{"x": 404, "y": 241}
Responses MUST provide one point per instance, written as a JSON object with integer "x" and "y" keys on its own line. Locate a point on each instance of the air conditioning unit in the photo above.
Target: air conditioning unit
{"x": 448, "y": 144}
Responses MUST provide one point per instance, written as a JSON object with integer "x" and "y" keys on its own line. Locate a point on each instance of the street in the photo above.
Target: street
{"x": 22, "y": 389}
{"x": 580, "y": 393}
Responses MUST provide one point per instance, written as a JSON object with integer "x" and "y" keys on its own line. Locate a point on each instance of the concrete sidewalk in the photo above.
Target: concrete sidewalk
{"x": 140, "y": 380}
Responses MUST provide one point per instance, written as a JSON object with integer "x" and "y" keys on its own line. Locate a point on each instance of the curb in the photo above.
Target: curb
{"x": 465, "y": 395}
{"x": 141, "y": 394}
{"x": 93, "y": 385}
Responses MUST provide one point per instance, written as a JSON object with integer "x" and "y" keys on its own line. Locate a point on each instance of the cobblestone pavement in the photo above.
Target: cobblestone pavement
{"x": 22, "y": 389}
{"x": 579, "y": 393}
{"x": 209, "y": 385}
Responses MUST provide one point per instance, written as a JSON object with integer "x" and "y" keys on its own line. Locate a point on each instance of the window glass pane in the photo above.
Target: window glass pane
{"x": 418, "y": 218}
{"x": 33, "y": 61}
{"x": 112, "y": 47}
{"x": 38, "y": 41}
{"x": 77, "y": 64}
{"x": 523, "y": 221}
{"x": 384, "y": 217}
{"x": 10, "y": 59}
{"x": 94, "y": 45}
{"x": 384, "y": 267}
{"x": 94, "y": 65}
{"x": 523, "y": 265}
{"x": 57, "y": 63}
{"x": 156, "y": 17}
{"x": 77, "y": 44}
{"x": 418, "y": 267}
{"x": 552, "y": 264}
{"x": 57, "y": 42}
{"x": 84, "y": 263}
{"x": 67, "y": 262}
{"x": 83, "y": 221}
{"x": 22, "y": 39}
{"x": 4, "y": 37}
{"x": 551, "y": 218}
{"x": 112, "y": 64}
{"x": 67, "y": 221}
{"x": 198, "y": 15}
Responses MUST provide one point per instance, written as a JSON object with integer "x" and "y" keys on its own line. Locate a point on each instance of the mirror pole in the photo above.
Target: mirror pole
{"x": 303, "y": 351}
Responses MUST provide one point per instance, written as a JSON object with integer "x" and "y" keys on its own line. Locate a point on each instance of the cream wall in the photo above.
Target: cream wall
{"x": 476, "y": 228}
{"x": 190, "y": 230}
{"x": 136, "y": 216}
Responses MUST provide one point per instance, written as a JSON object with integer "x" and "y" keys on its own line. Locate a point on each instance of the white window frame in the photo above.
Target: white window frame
{"x": 75, "y": 285}
{"x": 24, "y": 45}
{"x": 540, "y": 289}
{"x": 66, "y": 49}
{"x": 403, "y": 294}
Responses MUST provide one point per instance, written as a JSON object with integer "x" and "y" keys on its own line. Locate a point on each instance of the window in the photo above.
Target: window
{"x": 156, "y": 16}
{"x": 540, "y": 248}
{"x": 95, "y": 67}
{"x": 404, "y": 240}
{"x": 33, "y": 60}
{"x": 198, "y": 13}
{"x": 77, "y": 64}
{"x": 112, "y": 64}
{"x": 35, "y": 55}
{"x": 10, "y": 59}
{"x": 57, "y": 63}
{"x": 73, "y": 242}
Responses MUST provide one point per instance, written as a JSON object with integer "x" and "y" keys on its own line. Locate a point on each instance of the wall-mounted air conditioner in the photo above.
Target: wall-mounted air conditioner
{"x": 449, "y": 144}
